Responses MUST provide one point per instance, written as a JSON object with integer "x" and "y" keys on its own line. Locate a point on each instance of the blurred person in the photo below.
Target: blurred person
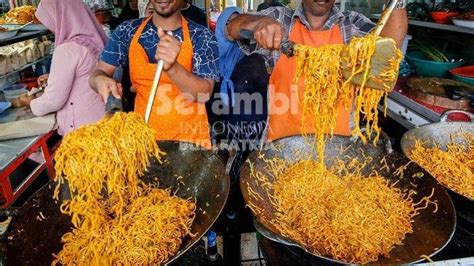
{"x": 189, "y": 11}
{"x": 129, "y": 11}
{"x": 268, "y": 3}
{"x": 149, "y": 10}
{"x": 79, "y": 40}
{"x": 194, "y": 13}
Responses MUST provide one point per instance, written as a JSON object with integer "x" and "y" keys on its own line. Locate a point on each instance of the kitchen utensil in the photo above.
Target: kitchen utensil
{"x": 11, "y": 31}
{"x": 464, "y": 74}
{"x": 466, "y": 80}
{"x": 8, "y": 34}
{"x": 13, "y": 91}
{"x": 440, "y": 134}
{"x": 465, "y": 71}
{"x": 444, "y": 93}
{"x": 34, "y": 27}
{"x": 437, "y": 133}
{"x": 112, "y": 106}
{"x": 443, "y": 17}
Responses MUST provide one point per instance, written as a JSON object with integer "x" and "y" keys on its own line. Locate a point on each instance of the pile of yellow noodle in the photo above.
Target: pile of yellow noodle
{"x": 117, "y": 218}
{"x": 337, "y": 213}
{"x": 453, "y": 167}
{"x": 326, "y": 90}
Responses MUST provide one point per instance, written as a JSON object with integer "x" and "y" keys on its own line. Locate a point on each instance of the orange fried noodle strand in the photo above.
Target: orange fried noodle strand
{"x": 338, "y": 213}
{"x": 117, "y": 218}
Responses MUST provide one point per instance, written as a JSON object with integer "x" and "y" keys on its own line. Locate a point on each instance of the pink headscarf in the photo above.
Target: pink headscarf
{"x": 72, "y": 21}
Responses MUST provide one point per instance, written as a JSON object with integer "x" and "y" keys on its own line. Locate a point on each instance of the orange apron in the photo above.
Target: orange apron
{"x": 284, "y": 93}
{"x": 172, "y": 116}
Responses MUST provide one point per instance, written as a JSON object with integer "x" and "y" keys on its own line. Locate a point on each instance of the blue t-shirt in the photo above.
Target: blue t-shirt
{"x": 205, "y": 52}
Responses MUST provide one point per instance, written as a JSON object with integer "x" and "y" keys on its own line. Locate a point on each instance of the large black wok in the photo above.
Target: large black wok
{"x": 440, "y": 134}
{"x": 432, "y": 231}
{"x": 32, "y": 240}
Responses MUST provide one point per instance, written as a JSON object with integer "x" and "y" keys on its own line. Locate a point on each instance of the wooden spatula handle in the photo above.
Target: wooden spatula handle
{"x": 154, "y": 87}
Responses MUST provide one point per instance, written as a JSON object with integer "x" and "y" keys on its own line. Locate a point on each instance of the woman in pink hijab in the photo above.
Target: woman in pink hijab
{"x": 79, "y": 40}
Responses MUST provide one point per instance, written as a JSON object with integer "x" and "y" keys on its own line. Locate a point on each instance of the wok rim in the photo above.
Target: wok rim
{"x": 297, "y": 245}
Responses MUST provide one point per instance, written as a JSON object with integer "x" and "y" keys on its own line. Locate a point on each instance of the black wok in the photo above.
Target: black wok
{"x": 432, "y": 231}
{"x": 32, "y": 240}
{"x": 440, "y": 134}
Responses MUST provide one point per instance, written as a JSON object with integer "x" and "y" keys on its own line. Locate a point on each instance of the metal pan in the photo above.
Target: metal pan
{"x": 439, "y": 134}
{"x": 432, "y": 231}
{"x": 33, "y": 240}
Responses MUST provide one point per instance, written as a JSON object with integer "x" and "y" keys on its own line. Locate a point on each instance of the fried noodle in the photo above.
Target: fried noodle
{"x": 337, "y": 212}
{"x": 117, "y": 218}
{"x": 453, "y": 167}
{"x": 326, "y": 90}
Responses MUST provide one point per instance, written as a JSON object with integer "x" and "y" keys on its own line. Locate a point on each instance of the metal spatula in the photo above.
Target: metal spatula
{"x": 385, "y": 48}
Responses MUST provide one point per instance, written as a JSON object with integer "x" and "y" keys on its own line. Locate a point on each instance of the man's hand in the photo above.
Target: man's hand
{"x": 101, "y": 81}
{"x": 168, "y": 49}
{"x": 268, "y": 33}
{"x": 106, "y": 86}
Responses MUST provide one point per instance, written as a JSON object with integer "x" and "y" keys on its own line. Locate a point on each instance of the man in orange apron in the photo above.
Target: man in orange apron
{"x": 190, "y": 70}
{"x": 314, "y": 23}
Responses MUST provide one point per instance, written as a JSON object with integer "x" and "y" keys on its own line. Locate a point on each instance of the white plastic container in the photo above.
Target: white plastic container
{"x": 405, "y": 44}
{"x": 463, "y": 23}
